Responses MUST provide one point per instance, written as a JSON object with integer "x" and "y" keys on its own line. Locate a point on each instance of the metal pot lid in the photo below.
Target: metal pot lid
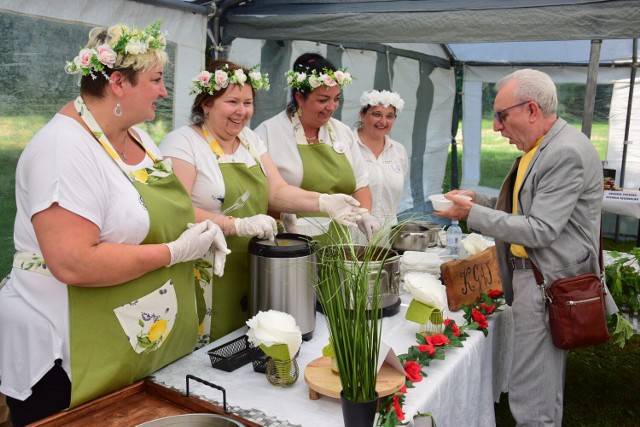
{"x": 288, "y": 245}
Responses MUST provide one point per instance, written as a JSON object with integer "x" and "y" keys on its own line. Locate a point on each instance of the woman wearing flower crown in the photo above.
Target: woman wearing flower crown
{"x": 101, "y": 293}
{"x": 218, "y": 159}
{"x": 315, "y": 151}
{"x": 385, "y": 158}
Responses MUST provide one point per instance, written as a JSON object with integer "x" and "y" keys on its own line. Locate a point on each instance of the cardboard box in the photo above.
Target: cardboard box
{"x": 467, "y": 279}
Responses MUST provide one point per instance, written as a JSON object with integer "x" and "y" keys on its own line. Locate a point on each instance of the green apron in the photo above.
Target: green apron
{"x": 103, "y": 356}
{"x": 230, "y": 293}
{"x": 326, "y": 171}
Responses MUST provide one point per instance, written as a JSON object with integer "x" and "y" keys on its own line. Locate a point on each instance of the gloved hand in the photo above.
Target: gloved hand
{"x": 289, "y": 222}
{"x": 368, "y": 224}
{"x": 220, "y": 252}
{"x": 341, "y": 208}
{"x": 194, "y": 242}
{"x": 263, "y": 226}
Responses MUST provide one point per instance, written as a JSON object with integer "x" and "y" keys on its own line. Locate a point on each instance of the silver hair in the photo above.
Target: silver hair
{"x": 533, "y": 85}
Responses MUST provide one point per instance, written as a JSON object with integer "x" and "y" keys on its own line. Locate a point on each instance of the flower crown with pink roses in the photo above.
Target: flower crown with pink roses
{"x": 207, "y": 82}
{"x": 312, "y": 79}
{"x": 123, "y": 41}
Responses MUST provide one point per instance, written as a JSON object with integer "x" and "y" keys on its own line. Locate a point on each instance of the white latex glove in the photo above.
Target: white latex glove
{"x": 263, "y": 226}
{"x": 341, "y": 208}
{"x": 220, "y": 252}
{"x": 194, "y": 242}
{"x": 289, "y": 222}
{"x": 368, "y": 224}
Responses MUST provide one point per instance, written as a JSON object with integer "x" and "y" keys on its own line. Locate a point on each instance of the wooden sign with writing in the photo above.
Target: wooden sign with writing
{"x": 467, "y": 279}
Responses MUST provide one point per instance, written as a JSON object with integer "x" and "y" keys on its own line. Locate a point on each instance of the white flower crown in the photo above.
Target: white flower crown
{"x": 384, "y": 98}
{"x": 124, "y": 41}
{"x": 311, "y": 79}
{"x": 211, "y": 82}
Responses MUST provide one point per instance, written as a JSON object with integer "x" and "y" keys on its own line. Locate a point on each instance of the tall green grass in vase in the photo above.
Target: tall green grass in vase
{"x": 349, "y": 293}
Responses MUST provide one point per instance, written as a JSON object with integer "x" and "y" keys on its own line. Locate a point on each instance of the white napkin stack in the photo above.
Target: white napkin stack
{"x": 422, "y": 262}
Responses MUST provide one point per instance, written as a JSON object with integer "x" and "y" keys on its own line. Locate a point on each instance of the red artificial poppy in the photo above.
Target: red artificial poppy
{"x": 427, "y": 348}
{"x": 437, "y": 340}
{"x": 487, "y": 308}
{"x": 494, "y": 293}
{"x": 398, "y": 408}
{"x": 480, "y": 318}
{"x": 413, "y": 371}
{"x": 454, "y": 328}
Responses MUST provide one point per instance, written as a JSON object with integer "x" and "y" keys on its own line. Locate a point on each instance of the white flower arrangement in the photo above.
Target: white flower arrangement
{"x": 271, "y": 329}
{"x": 123, "y": 41}
{"x": 311, "y": 79}
{"x": 384, "y": 98}
{"x": 207, "y": 82}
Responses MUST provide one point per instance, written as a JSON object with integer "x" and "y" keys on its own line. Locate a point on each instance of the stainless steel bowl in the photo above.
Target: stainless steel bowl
{"x": 193, "y": 420}
{"x": 413, "y": 236}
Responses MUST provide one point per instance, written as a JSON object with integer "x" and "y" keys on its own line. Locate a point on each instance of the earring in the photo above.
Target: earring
{"x": 206, "y": 115}
{"x": 117, "y": 110}
{"x": 299, "y": 111}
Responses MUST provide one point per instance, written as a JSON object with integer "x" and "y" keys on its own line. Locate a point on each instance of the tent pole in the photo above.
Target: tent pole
{"x": 220, "y": 8}
{"x": 592, "y": 80}
{"x": 454, "y": 129}
{"x": 627, "y": 125}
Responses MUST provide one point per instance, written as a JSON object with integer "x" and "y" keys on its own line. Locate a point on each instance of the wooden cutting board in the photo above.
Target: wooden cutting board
{"x": 323, "y": 381}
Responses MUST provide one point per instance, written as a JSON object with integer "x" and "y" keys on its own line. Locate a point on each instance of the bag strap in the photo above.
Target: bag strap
{"x": 540, "y": 279}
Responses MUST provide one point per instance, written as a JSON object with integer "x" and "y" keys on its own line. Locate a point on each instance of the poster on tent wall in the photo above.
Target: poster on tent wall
{"x": 423, "y": 127}
{"x": 617, "y": 123}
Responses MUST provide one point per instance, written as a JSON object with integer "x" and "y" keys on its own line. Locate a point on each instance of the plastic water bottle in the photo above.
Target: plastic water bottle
{"x": 454, "y": 236}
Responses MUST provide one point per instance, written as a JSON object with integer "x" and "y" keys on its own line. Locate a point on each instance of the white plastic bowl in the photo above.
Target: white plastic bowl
{"x": 313, "y": 226}
{"x": 439, "y": 202}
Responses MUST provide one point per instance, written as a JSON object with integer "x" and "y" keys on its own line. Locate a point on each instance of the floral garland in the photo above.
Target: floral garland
{"x": 433, "y": 346}
{"x": 222, "y": 78}
{"x": 384, "y": 98}
{"x": 123, "y": 41}
{"x": 310, "y": 80}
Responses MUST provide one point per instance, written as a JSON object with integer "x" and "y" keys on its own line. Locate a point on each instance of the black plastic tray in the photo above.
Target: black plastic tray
{"x": 234, "y": 354}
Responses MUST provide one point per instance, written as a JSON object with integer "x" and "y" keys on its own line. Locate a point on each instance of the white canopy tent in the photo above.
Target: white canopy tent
{"x": 390, "y": 44}
{"x": 415, "y": 47}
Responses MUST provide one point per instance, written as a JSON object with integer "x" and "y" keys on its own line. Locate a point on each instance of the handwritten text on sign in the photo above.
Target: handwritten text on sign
{"x": 467, "y": 279}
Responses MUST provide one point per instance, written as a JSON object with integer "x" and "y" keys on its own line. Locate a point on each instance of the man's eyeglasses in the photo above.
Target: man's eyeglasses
{"x": 500, "y": 116}
{"x": 378, "y": 115}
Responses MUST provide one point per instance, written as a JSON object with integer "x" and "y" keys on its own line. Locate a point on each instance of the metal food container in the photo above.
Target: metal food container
{"x": 283, "y": 276}
{"x": 389, "y": 281}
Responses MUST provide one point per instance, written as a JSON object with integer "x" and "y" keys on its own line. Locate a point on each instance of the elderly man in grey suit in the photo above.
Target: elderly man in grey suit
{"x": 548, "y": 213}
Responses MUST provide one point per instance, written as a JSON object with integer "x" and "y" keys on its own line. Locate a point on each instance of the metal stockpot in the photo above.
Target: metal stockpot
{"x": 283, "y": 278}
{"x": 414, "y": 236}
{"x": 389, "y": 274}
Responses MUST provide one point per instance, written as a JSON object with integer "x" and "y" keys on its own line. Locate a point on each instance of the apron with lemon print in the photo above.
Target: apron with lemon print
{"x": 326, "y": 169}
{"x": 228, "y": 299}
{"x": 146, "y": 323}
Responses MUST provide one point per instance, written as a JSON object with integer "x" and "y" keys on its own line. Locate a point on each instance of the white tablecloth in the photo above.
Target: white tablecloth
{"x": 459, "y": 390}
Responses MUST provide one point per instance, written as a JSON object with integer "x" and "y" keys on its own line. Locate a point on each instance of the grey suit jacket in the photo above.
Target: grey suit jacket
{"x": 559, "y": 206}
